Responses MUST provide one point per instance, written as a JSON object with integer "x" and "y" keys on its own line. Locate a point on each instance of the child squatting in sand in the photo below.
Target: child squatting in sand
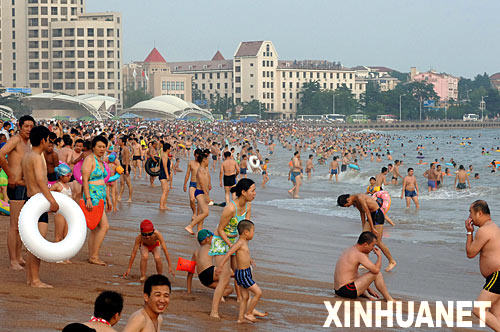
{"x": 150, "y": 240}
{"x": 243, "y": 273}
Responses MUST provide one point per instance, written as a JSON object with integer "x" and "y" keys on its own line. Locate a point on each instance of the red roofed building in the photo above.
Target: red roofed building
{"x": 218, "y": 56}
{"x": 495, "y": 81}
{"x": 155, "y": 56}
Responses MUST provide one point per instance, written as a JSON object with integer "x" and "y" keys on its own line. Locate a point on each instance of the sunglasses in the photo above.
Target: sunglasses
{"x": 148, "y": 234}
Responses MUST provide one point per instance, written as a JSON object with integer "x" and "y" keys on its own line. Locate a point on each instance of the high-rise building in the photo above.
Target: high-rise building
{"x": 256, "y": 73}
{"x": 54, "y": 46}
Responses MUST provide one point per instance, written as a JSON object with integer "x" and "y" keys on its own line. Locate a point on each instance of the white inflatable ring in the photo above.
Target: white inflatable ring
{"x": 37, "y": 244}
{"x": 254, "y": 162}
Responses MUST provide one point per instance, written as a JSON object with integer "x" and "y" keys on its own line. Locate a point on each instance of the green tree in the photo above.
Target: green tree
{"x": 402, "y": 77}
{"x": 345, "y": 103}
{"x": 132, "y": 97}
{"x": 253, "y": 107}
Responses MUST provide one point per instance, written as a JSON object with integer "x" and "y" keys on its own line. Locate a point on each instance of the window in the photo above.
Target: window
{"x": 90, "y": 32}
{"x": 45, "y": 65}
{"x": 45, "y": 33}
{"x": 69, "y": 43}
{"x": 100, "y": 43}
{"x": 31, "y": 11}
{"x": 53, "y": 10}
{"x": 58, "y": 75}
{"x": 210, "y": 75}
{"x": 111, "y": 64}
{"x": 203, "y": 76}
{"x": 263, "y": 63}
{"x": 69, "y": 64}
{"x": 100, "y": 32}
{"x": 110, "y": 43}
{"x": 57, "y": 86}
{"x": 57, "y": 33}
{"x": 69, "y": 32}
{"x": 57, "y": 43}
{"x": 225, "y": 86}
{"x": 32, "y": 33}
{"x": 69, "y": 75}
{"x": 291, "y": 85}
{"x": 81, "y": 75}
{"x": 211, "y": 86}
{"x": 32, "y": 22}
{"x": 203, "y": 86}
{"x": 81, "y": 54}
{"x": 110, "y": 32}
{"x": 70, "y": 54}
{"x": 350, "y": 76}
{"x": 298, "y": 85}
{"x": 100, "y": 75}
{"x": 218, "y": 86}
{"x": 110, "y": 54}
{"x": 81, "y": 86}
{"x": 100, "y": 64}
{"x": 91, "y": 86}
{"x": 338, "y": 75}
{"x": 111, "y": 85}
{"x": 91, "y": 64}
{"x": 91, "y": 75}
{"x": 34, "y": 65}
{"x": 225, "y": 75}
{"x": 33, "y": 44}
{"x": 344, "y": 75}
{"x": 80, "y": 43}
{"x": 237, "y": 79}
{"x": 90, "y": 43}
{"x": 79, "y": 32}
{"x": 64, "y": 11}
{"x": 237, "y": 69}
{"x": 90, "y": 54}
{"x": 57, "y": 54}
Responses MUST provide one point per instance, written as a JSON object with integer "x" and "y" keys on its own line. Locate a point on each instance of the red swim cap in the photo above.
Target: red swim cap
{"x": 147, "y": 226}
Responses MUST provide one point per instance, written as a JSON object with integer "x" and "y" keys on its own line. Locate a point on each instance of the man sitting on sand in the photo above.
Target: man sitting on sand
{"x": 204, "y": 264}
{"x": 157, "y": 291}
{"x": 107, "y": 311}
{"x": 347, "y": 282}
{"x": 370, "y": 210}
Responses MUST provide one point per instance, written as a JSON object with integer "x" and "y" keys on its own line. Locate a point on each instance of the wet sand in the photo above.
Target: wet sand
{"x": 295, "y": 255}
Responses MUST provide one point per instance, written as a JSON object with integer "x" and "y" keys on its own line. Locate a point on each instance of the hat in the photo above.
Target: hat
{"x": 147, "y": 226}
{"x": 62, "y": 170}
{"x": 203, "y": 234}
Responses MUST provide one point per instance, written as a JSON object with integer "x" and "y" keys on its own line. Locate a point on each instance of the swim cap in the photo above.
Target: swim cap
{"x": 112, "y": 157}
{"x": 62, "y": 170}
{"x": 203, "y": 234}
{"x": 147, "y": 226}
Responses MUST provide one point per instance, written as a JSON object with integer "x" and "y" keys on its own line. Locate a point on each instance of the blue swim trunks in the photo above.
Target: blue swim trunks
{"x": 431, "y": 183}
{"x": 333, "y": 171}
{"x": 409, "y": 193}
{"x": 244, "y": 278}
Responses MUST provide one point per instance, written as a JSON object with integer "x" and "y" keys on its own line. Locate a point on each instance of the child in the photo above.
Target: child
{"x": 265, "y": 176}
{"x": 243, "y": 273}
{"x": 204, "y": 264}
{"x": 149, "y": 240}
{"x": 243, "y": 166}
{"x": 372, "y": 189}
{"x": 63, "y": 173}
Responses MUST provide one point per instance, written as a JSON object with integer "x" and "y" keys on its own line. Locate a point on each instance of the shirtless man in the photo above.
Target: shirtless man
{"x": 125, "y": 161}
{"x": 296, "y": 173}
{"x": 214, "y": 151}
{"x": 310, "y": 167}
{"x": 381, "y": 178}
{"x": 35, "y": 176}
{"x": 369, "y": 210}
{"x": 462, "y": 178}
{"x": 76, "y": 154}
{"x": 202, "y": 192}
{"x": 51, "y": 159}
{"x": 136, "y": 158}
{"x": 334, "y": 169}
{"x": 156, "y": 299}
{"x": 487, "y": 244}
{"x": 410, "y": 189}
{"x": 16, "y": 147}
{"x": 346, "y": 280}
{"x": 191, "y": 171}
{"x": 432, "y": 176}
{"x": 395, "y": 172}
{"x": 65, "y": 153}
{"x": 229, "y": 169}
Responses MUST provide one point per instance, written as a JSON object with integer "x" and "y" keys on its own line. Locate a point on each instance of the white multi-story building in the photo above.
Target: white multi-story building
{"x": 54, "y": 46}
{"x": 256, "y": 73}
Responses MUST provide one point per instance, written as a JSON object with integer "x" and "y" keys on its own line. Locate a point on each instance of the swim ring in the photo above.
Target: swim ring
{"x": 4, "y": 208}
{"x": 386, "y": 198}
{"x": 114, "y": 177}
{"x": 152, "y": 163}
{"x": 254, "y": 162}
{"x": 37, "y": 244}
{"x": 448, "y": 164}
{"x": 77, "y": 172}
{"x": 356, "y": 167}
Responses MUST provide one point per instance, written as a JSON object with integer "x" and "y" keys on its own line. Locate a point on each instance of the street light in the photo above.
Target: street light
{"x": 400, "y": 107}
{"x": 482, "y": 106}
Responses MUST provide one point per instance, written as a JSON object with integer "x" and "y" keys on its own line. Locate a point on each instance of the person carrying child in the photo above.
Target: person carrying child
{"x": 149, "y": 241}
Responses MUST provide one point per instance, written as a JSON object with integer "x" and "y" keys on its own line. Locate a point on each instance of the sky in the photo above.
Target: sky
{"x": 459, "y": 37}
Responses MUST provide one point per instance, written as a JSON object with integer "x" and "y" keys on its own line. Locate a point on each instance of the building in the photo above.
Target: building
{"x": 154, "y": 76}
{"x": 495, "y": 81}
{"x": 255, "y": 73}
{"x": 54, "y": 46}
{"x": 445, "y": 86}
{"x": 381, "y": 76}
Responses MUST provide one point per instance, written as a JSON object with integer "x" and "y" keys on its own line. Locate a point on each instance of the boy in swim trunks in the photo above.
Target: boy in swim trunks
{"x": 243, "y": 273}
{"x": 149, "y": 241}
{"x": 204, "y": 264}
{"x": 462, "y": 178}
{"x": 410, "y": 189}
{"x": 243, "y": 166}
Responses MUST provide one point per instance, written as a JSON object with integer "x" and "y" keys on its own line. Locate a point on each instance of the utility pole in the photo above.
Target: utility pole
{"x": 482, "y": 106}
{"x": 400, "y": 118}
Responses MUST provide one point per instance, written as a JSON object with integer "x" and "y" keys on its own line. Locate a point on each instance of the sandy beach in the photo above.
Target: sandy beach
{"x": 295, "y": 255}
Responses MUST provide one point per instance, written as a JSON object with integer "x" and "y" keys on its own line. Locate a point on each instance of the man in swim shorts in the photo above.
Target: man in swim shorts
{"x": 334, "y": 168}
{"x": 432, "y": 176}
{"x": 346, "y": 280}
{"x": 191, "y": 172}
{"x": 296, "y": 173}
{"x": 204, "y": 264}
{"x": 35, "y": 176}
{"x": 462, "y": 178}
{"x": 487, "y": 244}
{"x": 16, "y": 147}
{"x": 372, "y": 219}
{"x": 227, "y": 177}
{"x": 410, "y": 189}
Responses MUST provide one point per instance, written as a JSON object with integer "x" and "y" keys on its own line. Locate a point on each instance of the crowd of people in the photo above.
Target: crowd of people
{"x": 44, "y": 158}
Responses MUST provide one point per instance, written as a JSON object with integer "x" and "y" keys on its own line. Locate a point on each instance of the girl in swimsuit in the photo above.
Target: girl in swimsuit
{"x": 94, "y": 190}
{"x": 63, "y": 172}
{"x": 227, "y": 234}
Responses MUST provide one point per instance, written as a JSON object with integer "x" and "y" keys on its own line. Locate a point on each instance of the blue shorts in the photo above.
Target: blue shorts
{"x": 333, "y": 171}
{"x": 412, "y": 193}
{"x": 198, "y": 192}
{"x": 192, "y": 184}
{"x": 244, "y": 278}
{"x": 243, "y": 171}
{"x": 431, "y": 183}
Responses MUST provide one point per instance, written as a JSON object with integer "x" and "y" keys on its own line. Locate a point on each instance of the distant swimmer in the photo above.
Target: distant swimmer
{"x": 462, "y": 178}
{"x": 486, "y": 244}
{"x": 370, "y": 211}
{"x": 310, "y": 167}
{"x": 346, "y": 280}
{"x": 410, "y": 189}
